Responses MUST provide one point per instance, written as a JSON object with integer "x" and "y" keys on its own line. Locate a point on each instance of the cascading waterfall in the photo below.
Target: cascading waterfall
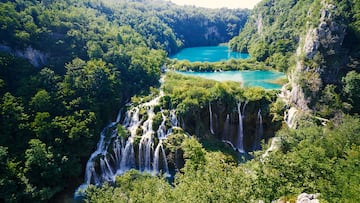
{"x": 161, "y": 132}
{"x": 258, "y": 131}
{"x": 146, "y": 142}
{"x": 243, "y": 111}
{"x": 211, "y": 120}
{"x": 90, "y": 173}
{"x": 160, "y": 153}
{"x": 128, "y": 157}
{"x": 237, "y": 143}
{"x": 173, "y": 118}
{"x": 121, "y": 157}
{"x": 107, "y": 173}
{"x": 226, "y": 136}
{"x": 240, "y": 145}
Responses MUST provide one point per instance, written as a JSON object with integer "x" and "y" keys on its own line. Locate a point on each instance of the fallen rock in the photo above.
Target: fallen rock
{"x": 308, "y": 198}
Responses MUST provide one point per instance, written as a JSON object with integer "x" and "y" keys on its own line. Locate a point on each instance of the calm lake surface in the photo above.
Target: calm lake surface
{"x": 208, "y": 54}
{"x": 247, "y": 78}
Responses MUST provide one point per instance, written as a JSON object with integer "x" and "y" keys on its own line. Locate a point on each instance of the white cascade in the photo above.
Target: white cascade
{"x": 90, "y": 173}
{"x": 240, "y": 138}
{"x": 173, "y": 118}
{"x": 258, "y": 131}
{"x": 211, "y": 120}
{"x": 243, "y": 111}
{"x": 121, "y": 155}
{"x": 146, "y": 142}
{"x": 161, "y": 132}
{"x": 107, "y": 173}
{"x": 160, "y": 153}
{"x": 128, "y": 158}
{"x": 225, "y": 135}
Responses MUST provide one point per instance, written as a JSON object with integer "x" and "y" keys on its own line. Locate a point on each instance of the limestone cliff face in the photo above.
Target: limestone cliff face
{"x": 313, "y": 69}
{"x": 259, "y": 24}
{"x": 35, "y": 57}
{"x": 212, "y": 33}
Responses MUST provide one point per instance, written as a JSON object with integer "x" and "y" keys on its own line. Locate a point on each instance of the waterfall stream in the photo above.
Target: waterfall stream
{"x": 211, "y": 120}
{"x": 160, "y": 153}
{"x": 226, "y": 134}
{"x": 240, "y": 137}
{"x": 258, "y": 132}
{"x": 114, "y": 156}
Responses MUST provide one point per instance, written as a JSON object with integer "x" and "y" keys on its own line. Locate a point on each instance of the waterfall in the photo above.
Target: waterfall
{"x": 127, "y": 119}
{"x": 117, "y": 149}
{"x": 128, "y": 157}
{"x": 258, "y": 132}
{"x": 94, "y": 176}
{"x": 173, "y": 121}
{"x": 156, "y": 163}
{"x": 225, "y": 135}
{"x": 173, "y": 118}
{"x": 145, "y": 149}
{"x": 134, "y": 122}
{"x": 239, "y": 145}
{"x": 161, "y": 132}
{"x": 146, "y": 142}
{"x": 106, "y": 171}
{"x": 90, "y": 173}
{"x": 115, "y": 155}
{"x": 243, "y": 111}
{"x": 290, "y": 117}
{"x": 211, "y": 120}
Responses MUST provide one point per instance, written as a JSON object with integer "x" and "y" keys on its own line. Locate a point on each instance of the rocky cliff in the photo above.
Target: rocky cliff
{"x": 307, "y": 39}
{"x": 35, "y": 57}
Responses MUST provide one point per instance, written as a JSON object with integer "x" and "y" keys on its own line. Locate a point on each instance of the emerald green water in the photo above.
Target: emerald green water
{"x": 208, "y": 54}
{"x": 247, "y": 78}
{"x": 223, "y": 53}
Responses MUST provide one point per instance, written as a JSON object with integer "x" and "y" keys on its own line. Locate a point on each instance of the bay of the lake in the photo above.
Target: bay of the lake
{"x": 260, "y": 78}
{"x": 208, "y": 54}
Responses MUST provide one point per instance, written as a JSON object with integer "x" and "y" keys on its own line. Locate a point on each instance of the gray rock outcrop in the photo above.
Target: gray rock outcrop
{"x": 35, "y": 57}
{"x": 308, "y": 198}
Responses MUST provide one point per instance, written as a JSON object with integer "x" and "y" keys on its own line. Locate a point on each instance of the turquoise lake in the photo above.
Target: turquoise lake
{"x": 247, "y": 78}
{"x": 208, "y": 54}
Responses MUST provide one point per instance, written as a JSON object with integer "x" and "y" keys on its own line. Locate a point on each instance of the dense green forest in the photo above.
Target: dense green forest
{"x": 67, "y": 67}
{"x": 90, "y": 58}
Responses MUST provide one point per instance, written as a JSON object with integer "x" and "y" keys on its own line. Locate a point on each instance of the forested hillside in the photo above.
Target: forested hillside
{"x": 316, "y": 146}
{"x": 316, "y": 42}
{"x": 68, "y": 67}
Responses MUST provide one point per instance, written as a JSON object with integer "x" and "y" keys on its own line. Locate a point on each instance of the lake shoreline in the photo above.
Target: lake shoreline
{"x": 208, "y": 54}
{"x": 248, "y": 78}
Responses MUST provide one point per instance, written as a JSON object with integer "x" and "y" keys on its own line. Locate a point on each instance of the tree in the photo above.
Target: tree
{"x": 40, "y": 170}
{"x": 351, "y": 89}
{"x": 14, "y": 126}
{"x": 41, "y": 101}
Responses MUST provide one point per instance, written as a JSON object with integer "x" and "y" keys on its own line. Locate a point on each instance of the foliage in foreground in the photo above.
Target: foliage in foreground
{"x": 312, "y": 159}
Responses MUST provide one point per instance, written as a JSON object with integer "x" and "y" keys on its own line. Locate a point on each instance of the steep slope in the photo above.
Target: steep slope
{"x": 67, "y": 67}
{"x": 315, "y": 42}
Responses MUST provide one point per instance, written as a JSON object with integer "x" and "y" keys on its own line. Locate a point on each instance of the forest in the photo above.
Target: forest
{"x": 68, "y": 67}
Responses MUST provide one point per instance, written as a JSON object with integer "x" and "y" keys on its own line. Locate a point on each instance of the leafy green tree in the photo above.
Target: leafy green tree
{"x": 40, "y": 170}
{"x": 41, "y": 101}
{"x": 14, "y": 130}
{"x": 10, "y": 178}
{"x": 351, "y": 89}
{"x": 133, "y": 186}
{"x": 194, "y": 155}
